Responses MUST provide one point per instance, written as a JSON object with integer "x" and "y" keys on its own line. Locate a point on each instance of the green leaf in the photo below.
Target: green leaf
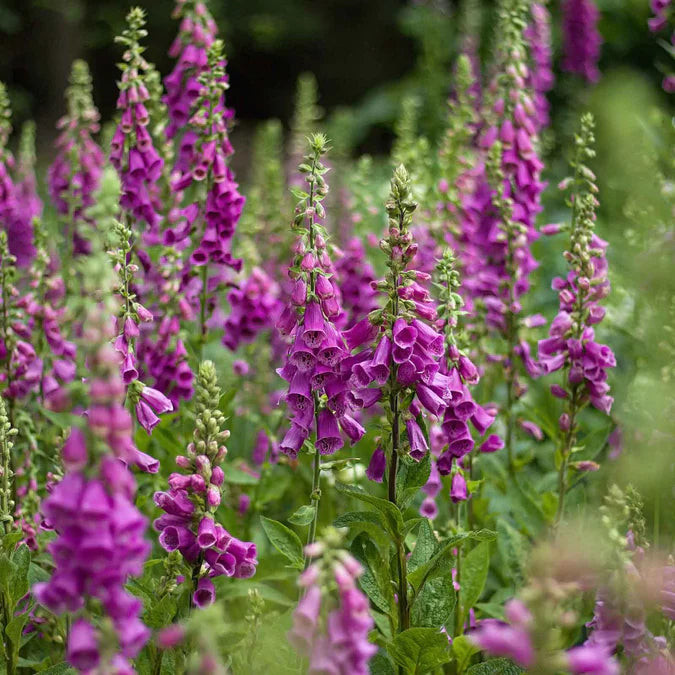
{"x": 19, "y": 578}
{"x": 410, "y": 478}
{"x": 374, "y": 581}
{"x": 495, "y": 667}
{"x": 303, "y": 516}
{"x": 10, "y": 540}
{"x": 419, "y": 650}
{"x": 433, "y": 606}
{"x": 439, "y": 563}
{"x": 284, "y": 540}
{"x": 13, "y": 631}
{"x": 473, "y": 575}
{"x": 394, "y": 520}
{"x": 463, "y": 650}
{"x": 381, "y": 665}
{"x": 511, "y": 546}
{"x": 371, "y": 522}
{"x": 161, "y": 613}
{"x": 424, "y": 547}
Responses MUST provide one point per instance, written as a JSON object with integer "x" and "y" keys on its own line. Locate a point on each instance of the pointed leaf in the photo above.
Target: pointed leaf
{"x": 284, "y": 540}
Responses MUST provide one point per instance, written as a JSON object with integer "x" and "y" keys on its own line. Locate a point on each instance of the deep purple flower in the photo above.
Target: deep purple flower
{"x": 582, "y": 39}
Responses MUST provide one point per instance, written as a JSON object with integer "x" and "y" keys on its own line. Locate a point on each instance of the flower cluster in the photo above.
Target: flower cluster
{"x": 404, "y": 360}
{"x": 255, "y": 308}
{"x": 188, "y": 524}
{"x": 582, "y": 39}
{"x": 333, "y": 635}
{"x": 100, "y": 532}
{"x": 133, "y": 153}
{"x": 664, "y": 14}
{"x": 571, "y": 343}
{"x": 75, "y": 173}
{"x": 318, "y": 361}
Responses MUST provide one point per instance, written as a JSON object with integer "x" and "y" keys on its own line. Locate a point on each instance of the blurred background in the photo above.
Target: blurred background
{"x": 366, "y": 55}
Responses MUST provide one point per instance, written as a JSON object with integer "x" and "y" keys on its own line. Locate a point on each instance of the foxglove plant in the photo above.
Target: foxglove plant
{"x": 148, "y": 402}
{"x": 662, "y": 19}
{"x": 75, "y": 173}
{"x": 43, "y": 303}
{"x": 188, "y": 524}
{"x": 29, "y": 204}
{"x": 132, "y": 151}
{"x": 196, "y": 33}
{"x": 99, "y": 542}
{"x": 217, "y": 211}
{"x": 571, "y": 344}
{"x": 461, "y": 372}
{"x": 18, "y": 360}
{"x": 403, "y": 361}
{"x": 332, "y": 619}
{"x": 356, "y": 276}
{"x": 18, "y": 231}
{"x": 499, "y": 224}
{"x": 581, "y": 39}
{"x": 317, "y": 369}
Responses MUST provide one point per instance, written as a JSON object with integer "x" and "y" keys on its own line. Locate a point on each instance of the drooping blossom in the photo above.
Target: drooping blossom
{"x": 582, "y": 39}
{"x": 75, "y": 173}
{"x": 188, "y": 523}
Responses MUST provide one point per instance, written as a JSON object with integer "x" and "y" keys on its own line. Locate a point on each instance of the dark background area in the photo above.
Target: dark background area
{"x": 365, "y": 53}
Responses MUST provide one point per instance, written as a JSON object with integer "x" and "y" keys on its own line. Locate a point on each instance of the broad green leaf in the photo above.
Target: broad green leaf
{"x": 394, "y": 520}
{"x": 381, "y": 665}
{"x": 375, "y": 580}
{"x": 463, "y": 650}
{"x": 420, "y": 650}
{"x": 13, "y": 631}
{"x": 410, "y": 478}
{"x": 511, "y": 548}
{"x": 273, "y": 652}
{"x": 433, "y": 606}
{"x": 371, "y": 522}
{"x": 10, "y": 540}
{"x": 473, "y": 574}
{"x": 284, "y": 540}
{"x": 424, "y": 546}
{"x": 303, "y": 516}
{"x": 439, "y": 563}
{"x": 273, "y": 486}
{"x": 495, "y": 667}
